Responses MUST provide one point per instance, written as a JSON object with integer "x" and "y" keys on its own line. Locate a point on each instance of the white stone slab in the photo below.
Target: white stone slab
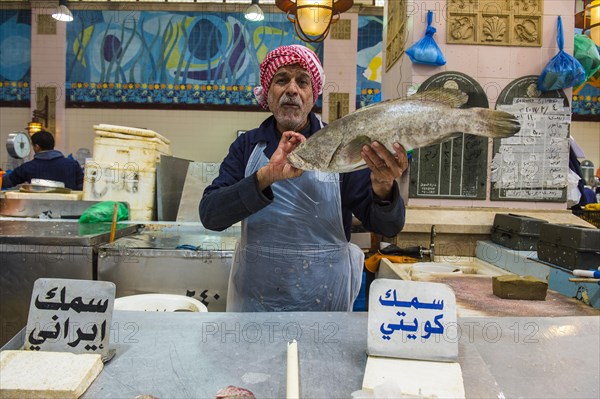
{"x": 27, "y": 374}
{"x": 402, "y": 378}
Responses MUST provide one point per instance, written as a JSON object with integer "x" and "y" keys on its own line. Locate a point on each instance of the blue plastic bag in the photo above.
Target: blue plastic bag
{"x": 563, "y": 70}
{"x": 426, "y": 50}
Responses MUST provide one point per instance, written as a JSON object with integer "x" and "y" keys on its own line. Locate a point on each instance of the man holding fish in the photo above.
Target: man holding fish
{"x": 294, "y": 253}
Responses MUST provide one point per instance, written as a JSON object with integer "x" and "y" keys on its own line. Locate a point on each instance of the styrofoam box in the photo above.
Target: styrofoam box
{"x": 141, "y": 215}
{"x": 144, "y": 154}
{"x": 114, "y": 182}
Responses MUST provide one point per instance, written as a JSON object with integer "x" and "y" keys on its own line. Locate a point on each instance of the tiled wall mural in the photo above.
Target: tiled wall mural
{"x": 369, "y": 64}
{"x": 15, "y": 59}
{"x": 586, "y": 100}
{"x": 176, "y": 58}
{"x": 152, "y": 59}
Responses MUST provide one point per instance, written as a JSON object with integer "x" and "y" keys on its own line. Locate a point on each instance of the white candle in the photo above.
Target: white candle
{"x": 293, "y": 387}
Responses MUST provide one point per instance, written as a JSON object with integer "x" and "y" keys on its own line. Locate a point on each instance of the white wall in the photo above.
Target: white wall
{"x": 587, "y": 136}
{"x": 195, "y": 135}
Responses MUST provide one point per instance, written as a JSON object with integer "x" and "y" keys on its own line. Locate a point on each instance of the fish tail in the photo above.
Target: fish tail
{"x": 495, "y": 124}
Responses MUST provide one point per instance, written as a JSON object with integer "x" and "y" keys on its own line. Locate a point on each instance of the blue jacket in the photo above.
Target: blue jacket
{"x": 49, "y": 165}
{"x": 232, "y": 197}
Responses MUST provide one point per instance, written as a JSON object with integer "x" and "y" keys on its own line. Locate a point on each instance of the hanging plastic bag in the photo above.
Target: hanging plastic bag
{"x": 587, "y": 54}
{"x": 103, "y": 212}
{"x": 426, "y": 50}
{"x": 563, "y": 70}
{"x": 573, "y": 191}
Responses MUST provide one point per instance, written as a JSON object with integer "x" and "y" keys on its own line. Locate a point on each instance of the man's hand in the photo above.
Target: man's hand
{"x": 278, "y": 167}
{"x": 385, "y": 167}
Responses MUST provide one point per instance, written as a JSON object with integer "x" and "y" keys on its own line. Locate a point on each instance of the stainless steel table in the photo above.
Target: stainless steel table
{"x": 180, "y": 259}
{"x": 33, "y": 208}
{"x": 60, "y": 232}
{"x": 193, "y": 355}
{"x": 31, "y": 249}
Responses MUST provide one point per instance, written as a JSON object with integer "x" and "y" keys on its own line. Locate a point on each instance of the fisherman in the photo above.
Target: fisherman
{"x": 294, "y": 253}
{"x": 48, "y": 164}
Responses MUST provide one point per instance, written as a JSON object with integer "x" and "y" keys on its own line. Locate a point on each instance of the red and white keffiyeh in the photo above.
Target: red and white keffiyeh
{"x": 288, "y": 55}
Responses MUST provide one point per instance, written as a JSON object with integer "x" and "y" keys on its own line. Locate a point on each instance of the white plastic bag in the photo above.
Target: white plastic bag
{"x": 573, "y": 193}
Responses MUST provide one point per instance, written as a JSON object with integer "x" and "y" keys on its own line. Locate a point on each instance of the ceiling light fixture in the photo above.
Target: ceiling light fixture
{"x": 592, "y": 13}
{"x": 254, "y": 13}
{"x": 313, "y": 18}
{"x": 62, "y": 13}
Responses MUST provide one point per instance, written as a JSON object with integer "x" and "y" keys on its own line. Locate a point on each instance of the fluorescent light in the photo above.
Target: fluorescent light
{"x": 254, "y": 13}
{"x": 62, "y": 13}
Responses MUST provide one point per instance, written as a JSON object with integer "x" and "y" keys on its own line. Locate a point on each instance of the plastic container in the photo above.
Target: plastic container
{"x": 434, "y": 268}
{"x": 137, "y": 187}
{"x": 160, "y": 303}
{"x": 516, "y": 231}
{"x": 569, "y": 246}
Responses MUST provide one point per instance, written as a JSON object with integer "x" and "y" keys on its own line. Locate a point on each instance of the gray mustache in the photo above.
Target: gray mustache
{"x": 286, "y": 100}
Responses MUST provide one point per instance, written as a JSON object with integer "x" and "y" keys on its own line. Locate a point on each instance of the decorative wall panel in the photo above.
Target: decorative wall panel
{"x": 339, "y": 104}
{"x": 341, "y": 30}
{"x": 46, "y": 25}
{"x": 50, "y": 92}
{"x": 396, "y": 32}
{"x": 495, "y": 22}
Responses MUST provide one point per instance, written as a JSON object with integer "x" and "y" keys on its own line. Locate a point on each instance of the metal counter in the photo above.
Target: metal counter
{"x": 34, "y": 208}
{"x": 193, "y": 355}
{"x": 55, "y": 232}
{"x": 51, "y": 249}
{"x": 150, "y": 262}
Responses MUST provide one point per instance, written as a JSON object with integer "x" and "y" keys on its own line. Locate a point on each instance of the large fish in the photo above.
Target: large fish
{"x": 420, "y": 120}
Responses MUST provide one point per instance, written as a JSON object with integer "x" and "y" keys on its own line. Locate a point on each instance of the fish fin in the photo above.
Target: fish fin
{"x": 451, "y": 97}
{"x": 497, "y": 124}
{"x": 350, "y": 152}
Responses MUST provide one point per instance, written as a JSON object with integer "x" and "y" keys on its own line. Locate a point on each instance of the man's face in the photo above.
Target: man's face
{"x": 291, "y": 97}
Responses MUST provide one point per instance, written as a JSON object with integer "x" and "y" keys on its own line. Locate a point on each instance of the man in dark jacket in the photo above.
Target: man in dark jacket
{"x": 294, "y": 253}
{"x": 48, "y": 164}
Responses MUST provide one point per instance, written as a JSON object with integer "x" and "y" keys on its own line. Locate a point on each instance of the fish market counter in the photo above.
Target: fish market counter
{"x": 181, "y": 259}
{"x": 30, "y": 249}
{"x": 193, "y": 355}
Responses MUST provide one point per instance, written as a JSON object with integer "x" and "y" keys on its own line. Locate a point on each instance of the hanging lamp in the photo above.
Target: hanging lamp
{"x": 312, "y": 19}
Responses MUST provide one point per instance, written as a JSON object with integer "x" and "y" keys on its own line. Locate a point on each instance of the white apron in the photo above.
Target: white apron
{"x": 293, "y": 254}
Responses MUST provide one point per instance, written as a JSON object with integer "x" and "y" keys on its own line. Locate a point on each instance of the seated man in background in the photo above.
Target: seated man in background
{"x": 48, "y": 164}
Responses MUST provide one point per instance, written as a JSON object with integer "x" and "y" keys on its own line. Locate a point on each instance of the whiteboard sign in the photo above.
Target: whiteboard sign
{"x": 534, "y": 163}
